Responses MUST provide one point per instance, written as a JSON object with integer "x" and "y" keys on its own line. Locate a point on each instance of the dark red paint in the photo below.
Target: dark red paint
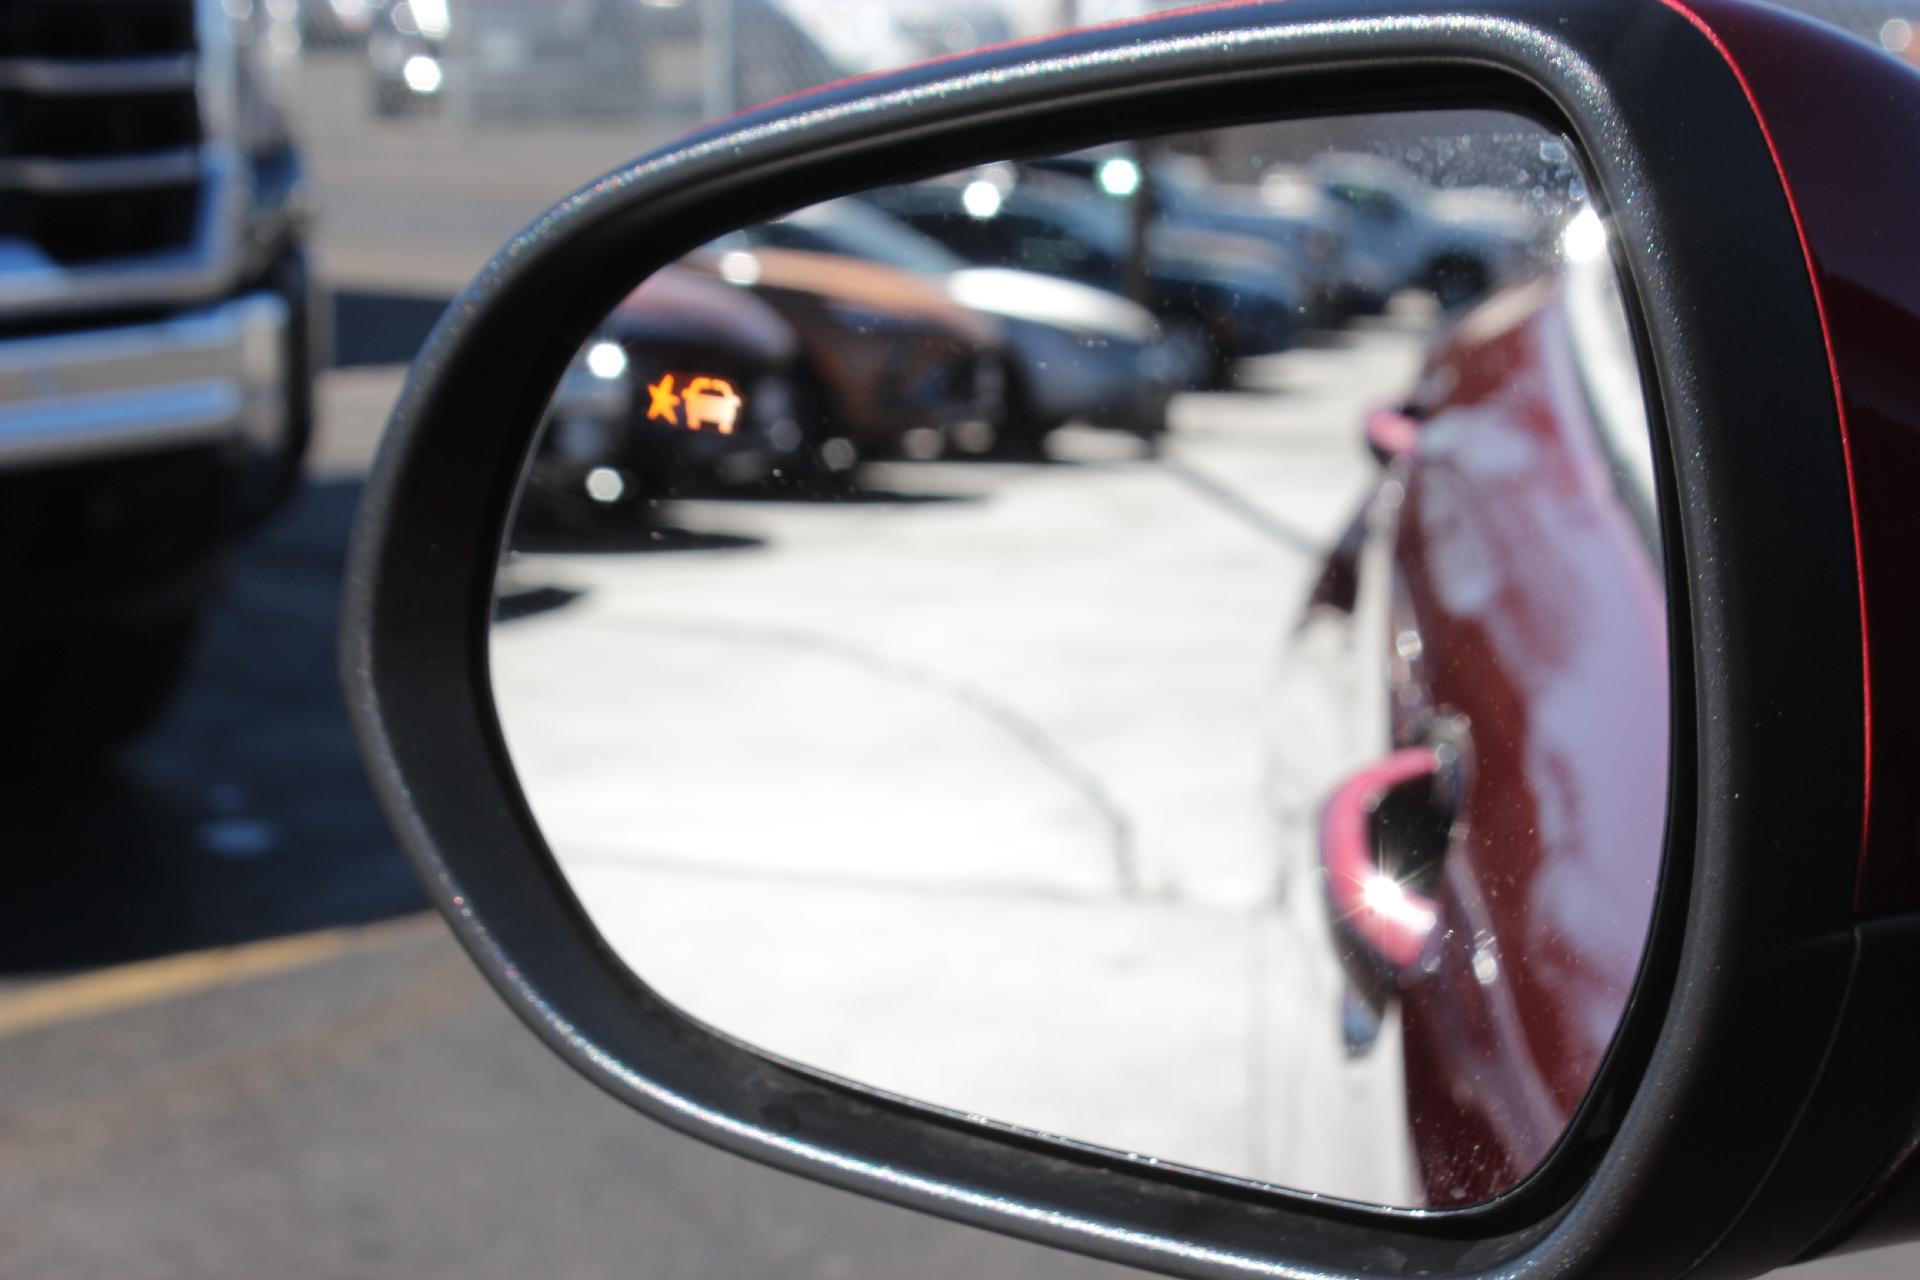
{"x": 1531, "y": 625}
{"x": 1843, "y": 120}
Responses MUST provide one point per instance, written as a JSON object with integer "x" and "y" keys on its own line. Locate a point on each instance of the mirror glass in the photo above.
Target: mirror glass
{"x": 1163, "y": 645}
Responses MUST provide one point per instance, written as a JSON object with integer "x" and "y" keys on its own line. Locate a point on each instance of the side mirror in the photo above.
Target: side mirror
{"x": 1060, "y": 762}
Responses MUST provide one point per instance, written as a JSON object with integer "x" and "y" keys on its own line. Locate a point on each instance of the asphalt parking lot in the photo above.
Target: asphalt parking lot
{"x": 231, "y": 1042}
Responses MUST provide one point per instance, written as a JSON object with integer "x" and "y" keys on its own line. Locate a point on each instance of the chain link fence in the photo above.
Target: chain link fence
{"x": 675, "y": 62}
{"x": 438, "y": 128}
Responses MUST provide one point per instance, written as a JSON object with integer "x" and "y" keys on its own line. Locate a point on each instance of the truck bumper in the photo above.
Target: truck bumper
{"x": 216, "y": 376}
{"x": 133, "y": 455}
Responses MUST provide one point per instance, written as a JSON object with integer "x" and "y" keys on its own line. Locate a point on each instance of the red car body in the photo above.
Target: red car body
{"x": 1527, "y": 665}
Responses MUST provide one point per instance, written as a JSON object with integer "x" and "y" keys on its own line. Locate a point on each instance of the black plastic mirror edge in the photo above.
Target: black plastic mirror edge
{"x": 1752, "y": 951}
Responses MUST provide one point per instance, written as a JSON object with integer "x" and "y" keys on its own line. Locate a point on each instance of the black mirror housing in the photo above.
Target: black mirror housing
{"x": 1755, "y": 1106}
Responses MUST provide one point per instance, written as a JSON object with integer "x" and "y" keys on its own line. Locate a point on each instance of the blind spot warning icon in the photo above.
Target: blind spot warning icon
{"x": 711, "y": 402}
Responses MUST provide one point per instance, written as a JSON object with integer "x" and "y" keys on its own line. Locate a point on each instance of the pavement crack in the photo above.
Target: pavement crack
{"x": 1243, "y": 508}
{"x": 1032, "y": 738}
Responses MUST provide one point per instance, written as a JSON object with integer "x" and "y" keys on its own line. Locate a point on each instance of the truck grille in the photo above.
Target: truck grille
{"x": 100, "y": 127}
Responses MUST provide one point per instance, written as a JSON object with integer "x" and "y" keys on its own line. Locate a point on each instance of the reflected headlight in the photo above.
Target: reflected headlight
{"x": 424, "y": 18}
{"x": 422, "y": 74}
{"x": 1584, "y": 238}
{"x": 431, "y": 17}
{"x": 981, "y": 199}
{"x": 1119, "y": 176}
{"x": 606, "y": 360}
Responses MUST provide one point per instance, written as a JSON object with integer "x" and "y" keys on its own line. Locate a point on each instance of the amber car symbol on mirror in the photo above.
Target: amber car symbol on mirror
{"x": 711, "y": 402}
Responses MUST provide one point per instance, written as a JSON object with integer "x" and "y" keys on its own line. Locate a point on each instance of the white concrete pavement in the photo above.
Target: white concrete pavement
{"x": 965, "y": 794}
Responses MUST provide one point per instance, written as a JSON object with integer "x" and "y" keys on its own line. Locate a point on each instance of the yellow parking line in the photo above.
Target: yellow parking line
{"x": 144, "y": 982}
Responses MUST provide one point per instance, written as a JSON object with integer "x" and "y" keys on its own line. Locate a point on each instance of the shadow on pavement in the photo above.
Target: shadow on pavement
{"x": 515, "y": 603}
{"x": 578, "y": 527}
{"x": 614, "y": 536}
{"x": 243, "y": 815}
{"x": 1340, "y": 339}
{"x": 858, "y": 493}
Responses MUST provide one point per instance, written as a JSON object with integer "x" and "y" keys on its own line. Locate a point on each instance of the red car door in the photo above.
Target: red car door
{"x": 1529, "y": 645}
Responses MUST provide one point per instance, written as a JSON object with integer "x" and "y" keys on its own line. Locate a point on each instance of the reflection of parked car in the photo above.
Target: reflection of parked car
{"x": 1405, "y": 235}
{"x": 1230, "y": 295}
{"x": 1506, "y": 582}
{"x": 1181, "y": 194}
{"x": 639, "y": 410}
{"x": 161, "y": 332}
{"x": 895, "y": 365}
{"x": 1074, "y": 353}
{"x": 739, "y": 366}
